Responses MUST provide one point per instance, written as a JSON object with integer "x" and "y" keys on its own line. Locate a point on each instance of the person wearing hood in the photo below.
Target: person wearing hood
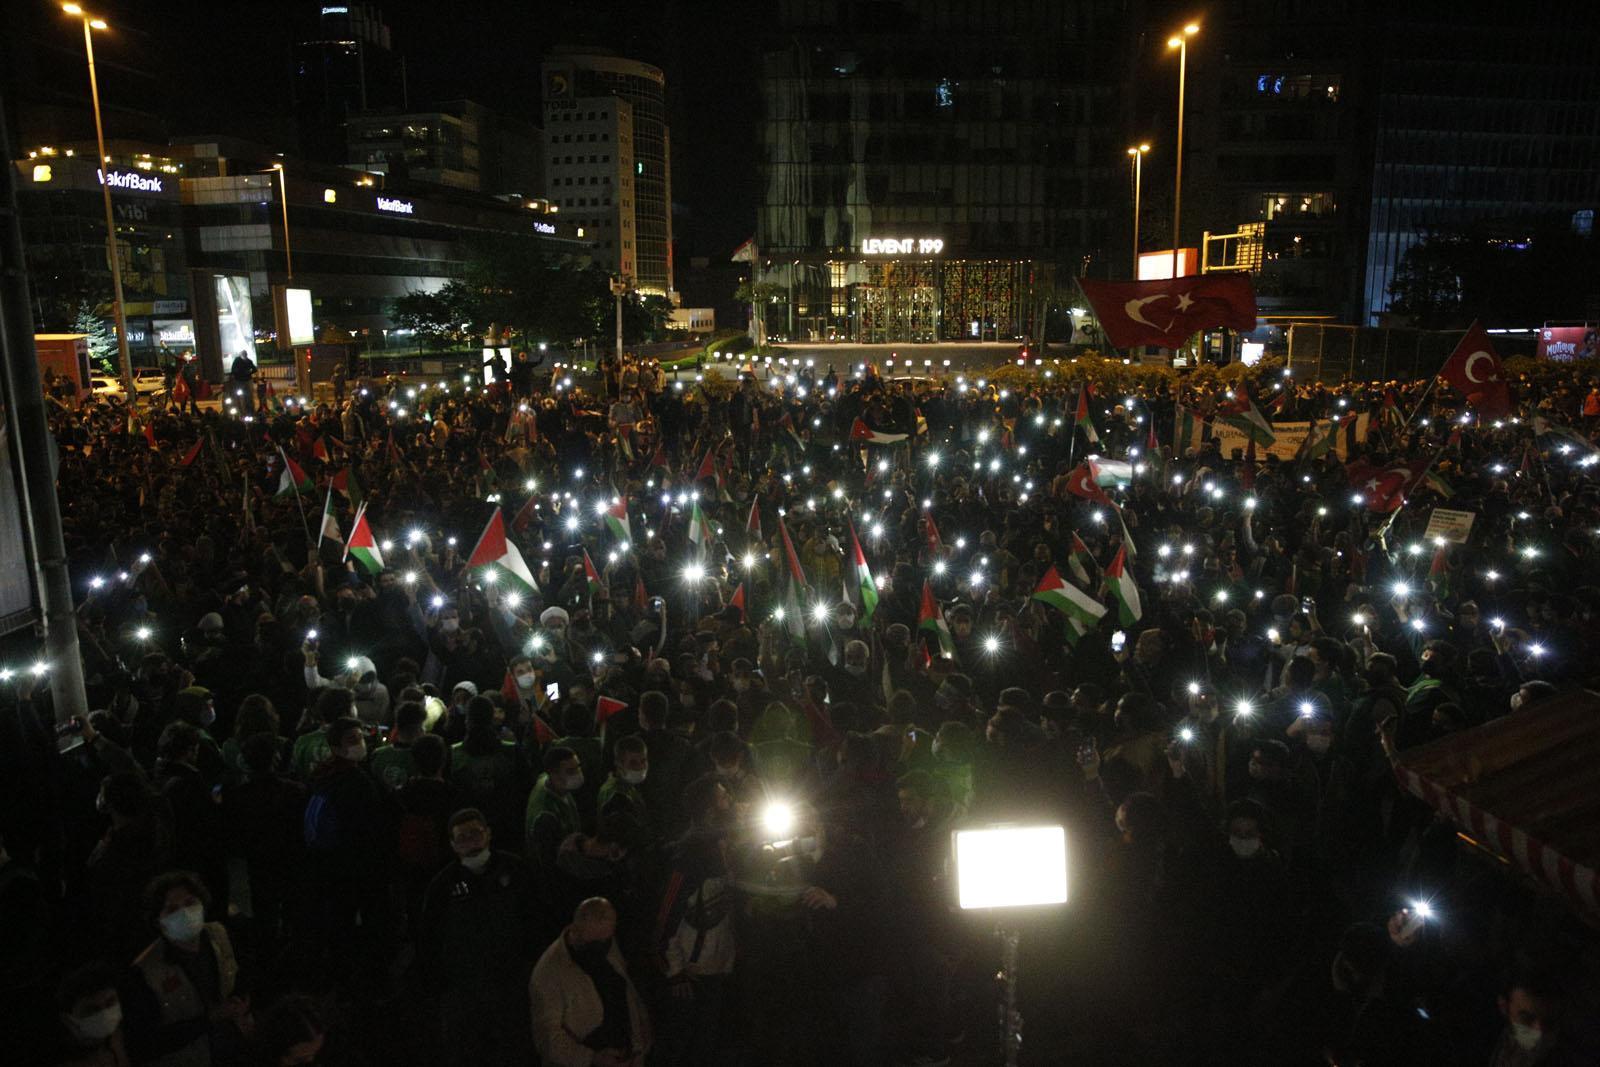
{"x": 183, "y": 1005}
{"x": 360, "y": 676}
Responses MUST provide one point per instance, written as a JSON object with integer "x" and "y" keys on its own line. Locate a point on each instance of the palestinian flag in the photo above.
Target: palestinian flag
{"x": 190, "y": 456}
{"x": 752, "y": 523}
{"x": 1389, "y": 415}
{"x": 590, "y": 576}
{"x": 1083, "y": 421}
{"x": 786, "y": 424}
{"x": 605, "y": 707}
{"x": 700, "y": 535}
{"x": 293, "y": 481}
{"x": 1561, "y": 439}
{"x": 1439, "y": 573}
{"x": 361, "y": 546}
{"x": 1083, "y": 612}
{"x": 1124, "y": 590}
{"x": 494, "y": 552}
{"x": 640, "y": 601}
{"x": 1152, "y": 451}
{"x": 658, "y": 460}
{"x": 793, "y": 617}
{"x": 1109, "y": 473}
{"x": 524, "y": 516}
{"x": 617, "y": 521}
{"x": 859, "y": 588}
{"x": 319, "y": 449}
{"x": 1127, "y": 536}
{"x": 930, "y": 534}
{"x": 1080, "y": 561}
{"x": 1242, "y": 414}
{"x": 346, "y": 484}
{"x": 931, "y": 620}
{"x": 737, "y": 601}
{"x": 328, "y": 534}
{"x": 1183, "y": 430}
{"x": 862, "y": 434}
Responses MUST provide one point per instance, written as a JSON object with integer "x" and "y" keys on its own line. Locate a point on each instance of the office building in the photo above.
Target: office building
{"x": 345, "y": 65}
{"x": 460, "y": 144}
{"x": 590, "y": 176}
{"x": 935, "y": 169}
{"x": 578, "y": 83}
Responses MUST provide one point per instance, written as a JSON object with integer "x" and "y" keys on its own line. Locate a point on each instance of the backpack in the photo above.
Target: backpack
{"x": 323, "y": 830}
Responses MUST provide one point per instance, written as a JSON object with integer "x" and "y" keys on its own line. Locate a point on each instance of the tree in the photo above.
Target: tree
{"x": 102, "y": 338}
{"x": 436, "y": 317}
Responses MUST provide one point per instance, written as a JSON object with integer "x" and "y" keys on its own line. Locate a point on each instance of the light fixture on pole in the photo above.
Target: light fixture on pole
{"x": 1180, "y": 41}
{"x": 619, "y": 289}
{"x": 1136, "y": 156}
{"x": 1010, "y": 867}
{"x": 283, "y": 198}
{"x": 119, "y": 311}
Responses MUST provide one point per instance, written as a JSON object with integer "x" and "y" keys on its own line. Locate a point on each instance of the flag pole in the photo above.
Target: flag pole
{"x": 304, "y": 523}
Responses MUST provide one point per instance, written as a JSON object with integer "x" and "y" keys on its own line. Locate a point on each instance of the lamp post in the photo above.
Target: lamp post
{"x": 283, "y": 198}
{"x": 1180, "y": 41}
{"x": 1136, "y": 155}
{"x": 90, "y": 24}
{"x": 619, "y": 289}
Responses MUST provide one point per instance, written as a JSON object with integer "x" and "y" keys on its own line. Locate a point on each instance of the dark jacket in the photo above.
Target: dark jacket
{"x": 478, "y": 930}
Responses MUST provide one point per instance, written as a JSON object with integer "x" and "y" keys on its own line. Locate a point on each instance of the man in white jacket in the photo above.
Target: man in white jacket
{"x": 586, "y": 1011}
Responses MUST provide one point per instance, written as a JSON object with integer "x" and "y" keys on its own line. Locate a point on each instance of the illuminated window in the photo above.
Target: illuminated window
{"x": 330, "y": 196}
{"x": 42, "y": 172}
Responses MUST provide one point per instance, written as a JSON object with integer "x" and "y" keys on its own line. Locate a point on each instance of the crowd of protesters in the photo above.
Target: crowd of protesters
{"x": 638, "y": 812}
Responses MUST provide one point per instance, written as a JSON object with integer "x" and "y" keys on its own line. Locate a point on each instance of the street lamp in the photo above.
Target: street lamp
{"x": 1136, "y": 155}
{"x": 90, "y": 24}
{"x": 283, "y": 198}
{"x": 1180, "y": 41}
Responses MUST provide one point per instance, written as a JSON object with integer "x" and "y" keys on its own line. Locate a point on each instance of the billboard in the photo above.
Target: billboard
{"x": 236, "y": 329}
{"x": 1154, "y": 266}
{"x": 16, "y": 579}
{"x": 302, "y": 330}
{"x": 1567, "y": 344}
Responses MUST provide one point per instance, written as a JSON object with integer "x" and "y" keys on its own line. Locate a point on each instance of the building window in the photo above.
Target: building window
{"x": 1583, "y": 222}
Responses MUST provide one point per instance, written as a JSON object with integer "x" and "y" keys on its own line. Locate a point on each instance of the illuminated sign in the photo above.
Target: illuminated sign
{"x": 395, "y": 207}
{"x": 1156, "y": 265}
{"x": 297, "y": 303}
{"x": 902, "y": 246}
{"x": 544, "y": 227}
{"x": 330, "y": 196}
{"x": 130, "y": 180}
{"x": 42, "y": 172}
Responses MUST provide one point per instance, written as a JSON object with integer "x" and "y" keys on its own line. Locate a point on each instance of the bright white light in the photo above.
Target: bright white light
{"x": 1011, "y": 866}
{"x": 572, "y": 522}
{"x": 933, "y": 459}
{"x": 1358, "y": 619}
{"x": 777, "y": 614}
{"x": 1187, "y": 733}
{"x": 693, "y": 572}
{"x": 1250, "y": 504}
{"x": 1243, "y": 709}
{"x": 490, "y": 577}
{"x": 1222, "y": 596}
{"x": 976, "y": 579}
{"x": 1400, "y": 589}
{"x": 1530, "y": 552}
{"x": 1491, "y": 575}
{"x": 749, "y": 560}
{"x": 991, "y": 644}
{"x": 778, "y": 820}
{"x": 1414, "y": 549}
{"x": 1307, "y": 708}
{"x": 1194, "y": 689}
{"x": 1177, "y": 479}
{"x": 142, "y": 633}
{"x": 1418, "y": 625}
{"x": 1535, "y": 650}
{"x": 819, "y": 613}
{"x": 939, "y": 567}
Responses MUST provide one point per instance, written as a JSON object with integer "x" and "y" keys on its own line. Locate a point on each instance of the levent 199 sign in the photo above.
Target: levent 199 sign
{"x": 902, "y": 246}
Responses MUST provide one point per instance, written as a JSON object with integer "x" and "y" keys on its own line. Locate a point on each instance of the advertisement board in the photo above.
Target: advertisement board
{"x": 302, "y": 330}
{"x": 1567, "y": 344}
{"x": 1154, "y": 266}
{"x": 236, "y": 330}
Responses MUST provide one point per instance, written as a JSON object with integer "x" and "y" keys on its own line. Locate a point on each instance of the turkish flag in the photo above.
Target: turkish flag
{"x": 1081, "y": 482}
{"x": 1474, "y": 371}
{"x": 1170, "y": 311}
{"x": 1384, "y": 488}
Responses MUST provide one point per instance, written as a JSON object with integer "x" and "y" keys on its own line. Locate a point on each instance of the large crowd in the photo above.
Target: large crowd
{"x": 686, "y": 796}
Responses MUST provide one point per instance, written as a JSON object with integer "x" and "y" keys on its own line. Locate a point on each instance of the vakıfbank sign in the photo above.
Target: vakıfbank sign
{"x": 131, "y": 181}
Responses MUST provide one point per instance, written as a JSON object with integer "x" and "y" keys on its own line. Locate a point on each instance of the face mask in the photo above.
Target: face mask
{"x": 944, "y": 696}
{"x": 366, "y": 689}
{"x": 810, "y": 848}
{"x": 1527, "y": 1037}
{"x": 938, "y": 749}
{"x": 184, "y": 924}
{"x": 593, "y": 951}
{"x": 857, "y": 669}
{"x": 355, "y": 753}
{"x": 735, "y": 772}
{"x": 1319, "y": 743}
{"x": 92, "y": 1029}
{"x": 525, "y": 679}
{"x": 450, "y": 626}
{"x": 571, "y": 782}
{"x": 632, "y": 777}
{"x": 1244, "y": 847}
{"x": 476, "y": 862}
{"x": 741, "y": 685}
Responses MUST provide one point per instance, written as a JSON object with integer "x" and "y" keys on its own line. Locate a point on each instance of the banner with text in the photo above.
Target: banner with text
{"x": 1291, "y": 437}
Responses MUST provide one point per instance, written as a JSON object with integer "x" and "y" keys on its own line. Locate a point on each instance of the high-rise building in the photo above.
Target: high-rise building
{"x": 592, "y": 178}
{"x": 345, "y": 66}
{"x": 577, "y": 85}
{"x": 460, "y": 144}
{"x": 931, "y": 167}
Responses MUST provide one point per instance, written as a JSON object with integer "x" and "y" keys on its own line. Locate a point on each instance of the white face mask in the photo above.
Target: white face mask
{"x": 355, "y": 753}
{"x": 809, "y": 847}
{"x": 526, "y": 679}
{"x": 571, "y": 782}
{"x": 1527, "y": 1037}
{"x": 93, "y": 1029}
{"x": 633, "y": 777}
{"x": 1244, "y": 847}
{"x": 476, "y": 862}
{"x": 1319, "y": 743}
{"x": 450, "y": 626}
{"x": 184, "y": 924}
{"x": 857, "y": 669}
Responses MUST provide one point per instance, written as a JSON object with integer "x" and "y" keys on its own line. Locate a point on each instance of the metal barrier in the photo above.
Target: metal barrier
{"x": 1330, "y": 353}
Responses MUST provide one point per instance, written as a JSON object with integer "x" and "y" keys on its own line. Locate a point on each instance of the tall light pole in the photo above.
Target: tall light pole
{"x": 619, "y": 289}
{"x": 1136, "y": 155}
{"x": 283, "y": 198}
{"x": 1180, "y": 41}
{"x": 90, "y": 24}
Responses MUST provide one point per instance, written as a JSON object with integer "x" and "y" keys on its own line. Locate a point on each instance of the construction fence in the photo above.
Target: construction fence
{"x": 1329, "y": 353}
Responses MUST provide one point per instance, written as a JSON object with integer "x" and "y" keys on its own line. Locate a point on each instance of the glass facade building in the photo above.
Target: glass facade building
{"x": 930, "y": 168}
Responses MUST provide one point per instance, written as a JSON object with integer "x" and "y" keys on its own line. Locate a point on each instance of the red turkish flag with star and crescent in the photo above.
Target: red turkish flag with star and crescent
{"x": 1474, "y": 371}
{"x": 1082, "y": 482}
{"x": 1169, "y": 311}
{"x": 1384, "y": 489}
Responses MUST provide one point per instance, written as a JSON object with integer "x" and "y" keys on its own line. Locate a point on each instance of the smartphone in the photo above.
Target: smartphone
{"x": 1119, "y": 640}
{"x": 311, "y": 640}
{"x": 553, "y": 691}
{"x": 1308, "y": 605}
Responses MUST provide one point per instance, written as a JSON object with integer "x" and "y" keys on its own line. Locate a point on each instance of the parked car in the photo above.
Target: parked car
{"x": 148, "y": 380}
{"x": 105, "y": 387}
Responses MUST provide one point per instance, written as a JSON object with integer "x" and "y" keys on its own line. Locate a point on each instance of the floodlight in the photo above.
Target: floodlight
{"x": 1011, "y": 866}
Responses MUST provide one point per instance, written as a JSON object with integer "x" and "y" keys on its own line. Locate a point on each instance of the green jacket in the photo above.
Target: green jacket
{"x": 614, "y": 786}
{"x": 392, "y": 765}
{"x": 551, "y": 818}
{"x": 309, "y": 750}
